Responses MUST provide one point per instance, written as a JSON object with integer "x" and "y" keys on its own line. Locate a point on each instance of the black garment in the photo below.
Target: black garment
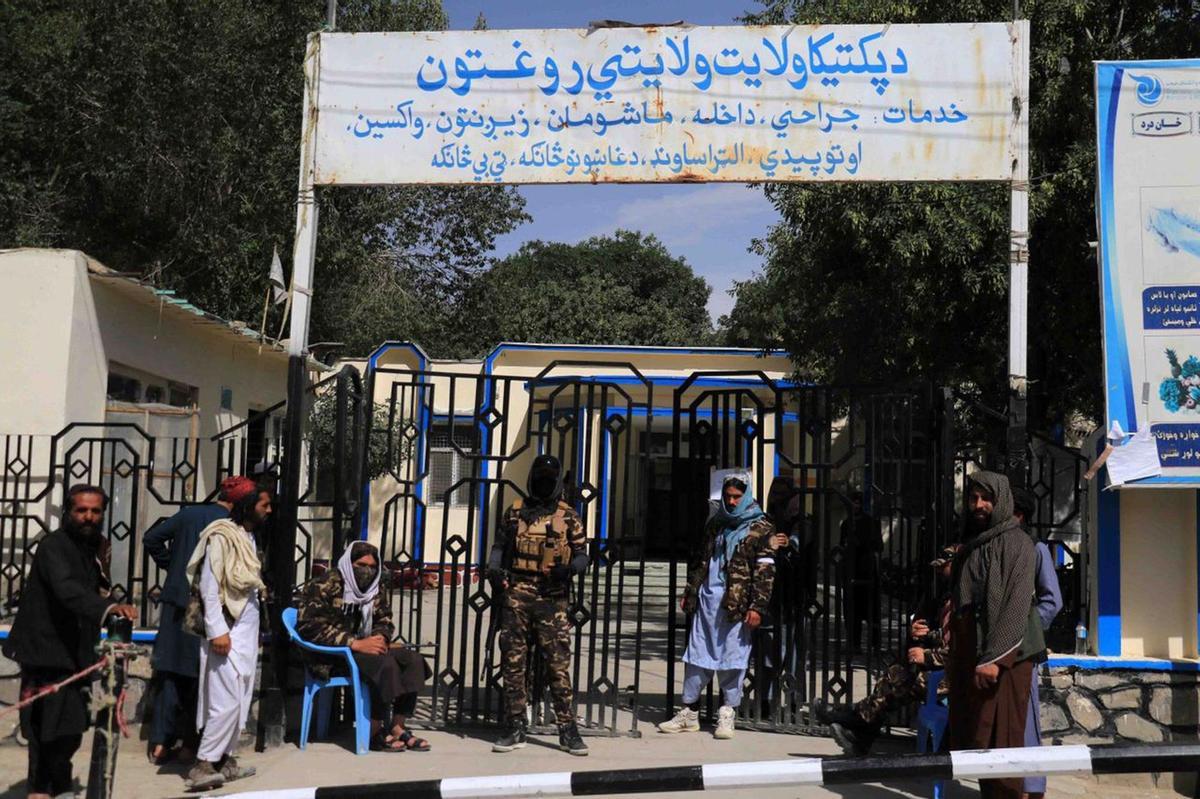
{"x": 50, "y": 765}
{"x": 862, "y": 607}
{"x": 394, "y": 680}
{"x": 861, "y": 544}
{"x": 54, "y": 636}
{"x": 62, "y": 713}
{"x": 54, "y": 728}
{"x": 174, "y": 711}
{"x": 61, "y": 610}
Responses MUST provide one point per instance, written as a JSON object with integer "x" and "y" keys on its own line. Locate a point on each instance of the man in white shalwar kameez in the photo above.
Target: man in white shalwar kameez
{"x": 229, "y": 579}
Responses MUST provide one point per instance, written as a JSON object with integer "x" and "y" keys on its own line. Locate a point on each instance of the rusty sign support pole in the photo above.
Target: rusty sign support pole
{"x": 1018, "y": 265}
{"x": 282, "y": 559}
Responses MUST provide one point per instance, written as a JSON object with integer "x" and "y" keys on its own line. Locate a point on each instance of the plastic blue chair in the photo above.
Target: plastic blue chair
{"x": 933, "y": 718}
{"x": 314, "y": 686}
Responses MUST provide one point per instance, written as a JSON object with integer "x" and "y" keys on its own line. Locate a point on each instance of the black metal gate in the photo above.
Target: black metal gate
{"x": 879, "y": 474}
{"x": 459, "y": 446}
{"x": 426, "y": 460}
{"x": 827, "y": 444}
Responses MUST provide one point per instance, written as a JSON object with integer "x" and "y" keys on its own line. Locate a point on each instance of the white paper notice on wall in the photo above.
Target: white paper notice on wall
{"x": 1134, "y": 459}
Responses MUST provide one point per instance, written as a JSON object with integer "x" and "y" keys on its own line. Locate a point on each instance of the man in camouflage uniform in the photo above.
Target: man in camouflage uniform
{"x": 539, "y": 547}
{"x": 346, "y": 606}
{"x": 856, "y": 727}
{"x": 730, "y": 579}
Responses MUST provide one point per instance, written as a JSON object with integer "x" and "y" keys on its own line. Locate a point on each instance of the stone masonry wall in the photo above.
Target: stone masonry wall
{"x": 1093, "y": 706}
{"x": 1121, "y": 706}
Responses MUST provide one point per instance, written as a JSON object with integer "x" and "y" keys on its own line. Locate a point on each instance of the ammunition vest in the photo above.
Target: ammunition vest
{"x": 542, "y": 544}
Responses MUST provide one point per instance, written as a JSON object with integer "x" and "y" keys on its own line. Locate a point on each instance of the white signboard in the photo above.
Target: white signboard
{"x": 1148, "y": 131}
{"x": 829, "y": 103}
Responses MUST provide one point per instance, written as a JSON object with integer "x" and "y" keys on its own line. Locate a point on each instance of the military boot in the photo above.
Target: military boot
{"x": 855, "y": 737}
{"x": 570, "y": 741}
{"x": 836, "y": 714}
{"x": 513, "y": 737}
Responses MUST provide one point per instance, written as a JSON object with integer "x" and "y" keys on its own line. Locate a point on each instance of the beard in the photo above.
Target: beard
{"x": 254, "y": 520}
{"x": 86, "y": 530}
{"x": 980, "y": 520}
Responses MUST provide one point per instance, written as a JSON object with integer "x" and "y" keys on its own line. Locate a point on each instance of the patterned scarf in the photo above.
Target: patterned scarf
{"x": 734, "y": 525}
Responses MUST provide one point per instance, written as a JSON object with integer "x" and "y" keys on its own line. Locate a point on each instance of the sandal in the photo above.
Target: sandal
{"x": 413, "y": 743}
{"x": 168, "y": 755}
{"x": 384, "y": 742}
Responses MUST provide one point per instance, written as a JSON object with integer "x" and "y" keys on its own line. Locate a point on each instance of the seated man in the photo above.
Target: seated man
{"x": 857, "y": 726}
{"x": 344, "y": 607}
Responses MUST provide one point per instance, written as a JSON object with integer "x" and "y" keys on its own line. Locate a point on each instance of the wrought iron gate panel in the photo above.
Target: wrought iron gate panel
{"x": 121, "y": 459}
{"x": 828, "y": 441}
{"x": 1055, "y": 477}
{"x": 471, "y": 438}
{"x": 458, "y": 447}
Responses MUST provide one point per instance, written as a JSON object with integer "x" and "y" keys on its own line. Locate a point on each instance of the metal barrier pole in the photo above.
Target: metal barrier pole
{"x": 981, "y": 764}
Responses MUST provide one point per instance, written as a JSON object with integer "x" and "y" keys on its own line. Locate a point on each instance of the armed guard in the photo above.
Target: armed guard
{"x": 539, "y": 547}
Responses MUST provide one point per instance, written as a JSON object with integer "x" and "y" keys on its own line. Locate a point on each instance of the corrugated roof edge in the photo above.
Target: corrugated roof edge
{"x": 169, "y": 296}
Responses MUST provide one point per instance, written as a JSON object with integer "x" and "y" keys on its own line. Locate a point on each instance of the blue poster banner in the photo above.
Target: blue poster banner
{"x": 1148, "y": 163}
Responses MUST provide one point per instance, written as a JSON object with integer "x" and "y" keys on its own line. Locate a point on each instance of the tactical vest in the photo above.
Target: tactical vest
{"x": 543, "y": 544}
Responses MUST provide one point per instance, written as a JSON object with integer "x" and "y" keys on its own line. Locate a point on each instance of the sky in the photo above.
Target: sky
{"x": 710, "y": 226}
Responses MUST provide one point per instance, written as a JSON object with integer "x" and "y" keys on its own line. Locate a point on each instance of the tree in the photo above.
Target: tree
{"x": 902, "y": 282}
{"x": 387, "y": 448}
{"x": 162, "y": 137}
{"x": 619, "y": 289}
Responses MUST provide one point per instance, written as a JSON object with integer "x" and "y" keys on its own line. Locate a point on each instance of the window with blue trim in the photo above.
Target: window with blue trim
{"x": 447, "y": 465}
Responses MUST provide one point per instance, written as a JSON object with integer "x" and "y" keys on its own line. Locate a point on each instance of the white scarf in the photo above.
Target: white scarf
{"x": 351, "y": 594}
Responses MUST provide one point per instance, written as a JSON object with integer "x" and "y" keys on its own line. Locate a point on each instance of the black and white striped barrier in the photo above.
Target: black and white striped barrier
{"x": 984, "y": 764}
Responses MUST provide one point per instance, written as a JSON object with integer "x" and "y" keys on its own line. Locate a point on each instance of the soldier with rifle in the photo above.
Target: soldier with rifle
{"x": 540, "y": 546}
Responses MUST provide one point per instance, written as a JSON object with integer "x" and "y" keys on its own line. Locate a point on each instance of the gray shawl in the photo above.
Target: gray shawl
{"x": 994, "y": 574}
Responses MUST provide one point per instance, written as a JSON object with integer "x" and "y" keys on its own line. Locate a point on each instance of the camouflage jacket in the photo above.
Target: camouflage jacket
{"x": 323, "y": 618}
{"x": 749, "y": 575}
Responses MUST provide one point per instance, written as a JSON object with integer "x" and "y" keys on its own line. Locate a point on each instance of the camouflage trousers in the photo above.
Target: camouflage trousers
{"x": 526, "y": 613}
{"x": 901, "y": 685}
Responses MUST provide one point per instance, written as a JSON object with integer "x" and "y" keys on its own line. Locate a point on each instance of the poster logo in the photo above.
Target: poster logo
{"x": 1149, "y": 89}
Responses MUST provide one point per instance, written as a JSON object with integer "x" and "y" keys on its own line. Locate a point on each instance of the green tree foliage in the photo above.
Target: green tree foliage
{"x": 899, "y": 282}
{"x": 162, "y": 137}
{"x": 620, "y": 289}
{"x": 387, "y": 448}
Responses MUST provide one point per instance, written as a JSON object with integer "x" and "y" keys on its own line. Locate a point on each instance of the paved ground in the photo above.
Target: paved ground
{"x": 456, "y": 755}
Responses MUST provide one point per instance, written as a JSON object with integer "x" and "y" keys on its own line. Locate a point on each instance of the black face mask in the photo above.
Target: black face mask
{"x": 364, "y": 576}
{"x": 542, "y": 485}
{"x": 545, "y": 478}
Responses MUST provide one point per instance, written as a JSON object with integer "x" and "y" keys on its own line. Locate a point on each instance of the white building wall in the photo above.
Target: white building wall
{"x": 44, "y": 317}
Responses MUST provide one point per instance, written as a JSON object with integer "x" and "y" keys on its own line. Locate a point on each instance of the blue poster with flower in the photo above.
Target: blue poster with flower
{"x": 1148, "y": 137}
